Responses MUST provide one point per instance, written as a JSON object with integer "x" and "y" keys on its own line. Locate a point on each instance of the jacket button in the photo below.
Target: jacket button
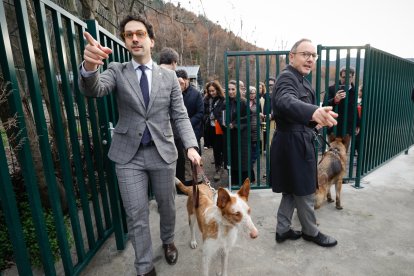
{"x": 140, "y": 134}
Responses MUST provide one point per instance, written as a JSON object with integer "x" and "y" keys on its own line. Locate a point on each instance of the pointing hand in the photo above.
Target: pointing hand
{"x": 94, "y": 53}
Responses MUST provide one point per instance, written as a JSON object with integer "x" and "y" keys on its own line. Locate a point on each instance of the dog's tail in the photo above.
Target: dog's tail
{"x": 185, "y": 189}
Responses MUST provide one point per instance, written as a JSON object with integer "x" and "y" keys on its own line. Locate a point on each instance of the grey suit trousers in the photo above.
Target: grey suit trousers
{"x": 133, "y": 177}
{"x": 305, "y": 211}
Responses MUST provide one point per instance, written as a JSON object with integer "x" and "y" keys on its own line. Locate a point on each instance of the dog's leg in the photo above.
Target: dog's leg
{"x": 338, "y": 188}
{"x": 192, "y": 220}
{"x": 224, "y": 262}
{"x": 329, "y": 196}
{"x": 207, "y": 253}
{"x": 320, "y": 193}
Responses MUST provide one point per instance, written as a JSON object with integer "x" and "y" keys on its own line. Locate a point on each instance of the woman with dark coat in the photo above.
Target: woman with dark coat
{"x": 234, "y": 143}
{"x": 213, "y": 103}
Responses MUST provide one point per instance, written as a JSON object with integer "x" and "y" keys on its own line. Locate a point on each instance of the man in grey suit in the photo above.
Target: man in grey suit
{"x": 142, "y": 148}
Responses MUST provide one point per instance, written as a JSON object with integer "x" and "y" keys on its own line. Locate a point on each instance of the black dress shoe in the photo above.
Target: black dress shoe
{"x": 171, "y": 253}
{"x": 321, "y": 239}
{"x": 151, "y": 273}
{"x": 289, "y": 235}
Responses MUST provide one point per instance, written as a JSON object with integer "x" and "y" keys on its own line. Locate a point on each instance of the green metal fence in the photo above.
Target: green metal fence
{"x": 71, "y": 134}
{"x": 387, "y": 121}
{"x": 252, "y": 68}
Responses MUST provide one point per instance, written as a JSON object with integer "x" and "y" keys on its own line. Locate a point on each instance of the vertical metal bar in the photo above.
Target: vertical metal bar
{"x": 227, "y": 119}
{"x": 50, "y": 73}
{"x": 238, "y": 96}
{"x": 249, "y": 125}
{"x": 35, "y": 92}
{"x": 258, "y": 120}
{"x": 355, "y": 113}
{"x": 326, "y": 95}
{"x": 268, "y": 114}
{"x": 318, "y": 74}
{"x": 24, "y": 152}
{"x": 364, "y": 112}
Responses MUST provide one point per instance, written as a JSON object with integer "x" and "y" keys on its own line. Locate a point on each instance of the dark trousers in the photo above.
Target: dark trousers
{"x": 218, "y": 147}
{"x": 180, "y": 169}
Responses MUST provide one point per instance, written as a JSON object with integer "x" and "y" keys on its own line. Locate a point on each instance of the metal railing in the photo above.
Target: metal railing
{"x": 72, "y": 135}
{"x": 386, "y": 119}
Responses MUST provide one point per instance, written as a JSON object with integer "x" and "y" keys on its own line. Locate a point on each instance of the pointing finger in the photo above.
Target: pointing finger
{"x": 90, "y": 39}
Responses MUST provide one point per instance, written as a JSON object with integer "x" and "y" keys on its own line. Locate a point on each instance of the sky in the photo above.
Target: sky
{"x": 277, "y": 25}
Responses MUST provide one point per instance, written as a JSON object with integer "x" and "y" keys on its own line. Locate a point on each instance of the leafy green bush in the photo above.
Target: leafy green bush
{"x": 6, "y": 250}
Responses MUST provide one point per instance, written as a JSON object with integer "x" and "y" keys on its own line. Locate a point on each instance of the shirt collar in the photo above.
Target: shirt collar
{"x": 148, "y": 65}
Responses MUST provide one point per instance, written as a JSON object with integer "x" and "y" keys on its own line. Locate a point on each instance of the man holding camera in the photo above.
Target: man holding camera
{"x": 345, "y": 99}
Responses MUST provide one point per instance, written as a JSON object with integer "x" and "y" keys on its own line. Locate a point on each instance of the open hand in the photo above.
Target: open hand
{"x": 324, "y": 116}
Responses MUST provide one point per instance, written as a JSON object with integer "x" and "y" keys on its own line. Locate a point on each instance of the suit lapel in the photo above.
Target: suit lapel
{"x": 131, "y": 76}
{"x": 155, "y": 83}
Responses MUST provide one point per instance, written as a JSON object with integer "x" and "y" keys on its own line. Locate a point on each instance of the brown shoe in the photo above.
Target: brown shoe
{"x": 171, "y": 253}
{"x": 151, "y": 273}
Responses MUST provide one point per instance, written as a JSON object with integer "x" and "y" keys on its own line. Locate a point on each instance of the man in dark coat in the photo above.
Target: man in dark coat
{"x": 292, "y": 153}
{"x": 193, "y": 101}
{"x": 346, "y": 100}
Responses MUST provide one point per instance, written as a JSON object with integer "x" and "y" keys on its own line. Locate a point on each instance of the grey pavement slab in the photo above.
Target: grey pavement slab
{"x": 374, "y": 232}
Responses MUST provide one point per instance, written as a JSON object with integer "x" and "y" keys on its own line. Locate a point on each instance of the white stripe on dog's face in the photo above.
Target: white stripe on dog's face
{"x": 237, "y": 213}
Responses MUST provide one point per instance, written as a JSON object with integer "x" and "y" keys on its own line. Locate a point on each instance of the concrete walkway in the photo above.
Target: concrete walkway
{"x": 375, "y": 233}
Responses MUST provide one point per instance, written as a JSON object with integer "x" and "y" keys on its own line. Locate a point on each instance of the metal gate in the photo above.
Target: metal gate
{"x": 54, "y": 141}
{"x": 387, "y": 114}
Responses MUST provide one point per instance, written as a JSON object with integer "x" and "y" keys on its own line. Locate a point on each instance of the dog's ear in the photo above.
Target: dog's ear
{"x": 331, "y": 137}
{"x": 222, "y": 198}
{"x": 346, "y": 141}
{"x": 245, "y": 190}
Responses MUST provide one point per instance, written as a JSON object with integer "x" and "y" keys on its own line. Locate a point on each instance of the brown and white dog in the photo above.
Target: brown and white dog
{"x": 219, "y": 216}
{"x": 331, "y": 169}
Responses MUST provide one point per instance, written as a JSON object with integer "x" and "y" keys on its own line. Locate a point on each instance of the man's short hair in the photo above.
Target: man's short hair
{"x": 181, "y": 73}
{"x": 139, "y": 18}
{"x": 297, "y": 43}
{"x": 168, "y": 56}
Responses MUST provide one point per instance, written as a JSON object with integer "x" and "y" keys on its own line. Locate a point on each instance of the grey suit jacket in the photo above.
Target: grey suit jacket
{"x": 166, "y": 102}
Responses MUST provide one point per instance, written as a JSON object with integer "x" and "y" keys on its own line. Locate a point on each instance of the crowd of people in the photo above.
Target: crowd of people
{"x": 162, "y": 118}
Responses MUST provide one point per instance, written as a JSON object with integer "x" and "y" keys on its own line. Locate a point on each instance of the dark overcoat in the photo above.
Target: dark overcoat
{"x": 292, "y": 153}
{"x": 193, "y": 101}
{"x": 234, "y": 145}
{"x": 349, "y": 105}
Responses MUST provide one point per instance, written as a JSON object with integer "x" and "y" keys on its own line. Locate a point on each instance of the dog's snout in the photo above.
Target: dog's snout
{"x": 254, "y": 233}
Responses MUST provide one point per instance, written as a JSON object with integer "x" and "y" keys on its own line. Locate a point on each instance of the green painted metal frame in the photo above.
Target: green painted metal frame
{"x": 67, "y": 35}
{"x": 256, "y": 56}
{"x": 383, "y": 72}
{"x": 25, "y": 159}
{"x": 41, "y": 127}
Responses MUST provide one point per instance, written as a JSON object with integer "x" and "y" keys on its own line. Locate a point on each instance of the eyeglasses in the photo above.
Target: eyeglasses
{"x": 130, "y": 35}
{"x": 307, "y": 55}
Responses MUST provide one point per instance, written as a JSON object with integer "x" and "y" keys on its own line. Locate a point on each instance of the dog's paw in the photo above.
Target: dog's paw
{"x": 193, "y": 244}
{"x": 330, "y": 200}
{"x": 339, "y": 207}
